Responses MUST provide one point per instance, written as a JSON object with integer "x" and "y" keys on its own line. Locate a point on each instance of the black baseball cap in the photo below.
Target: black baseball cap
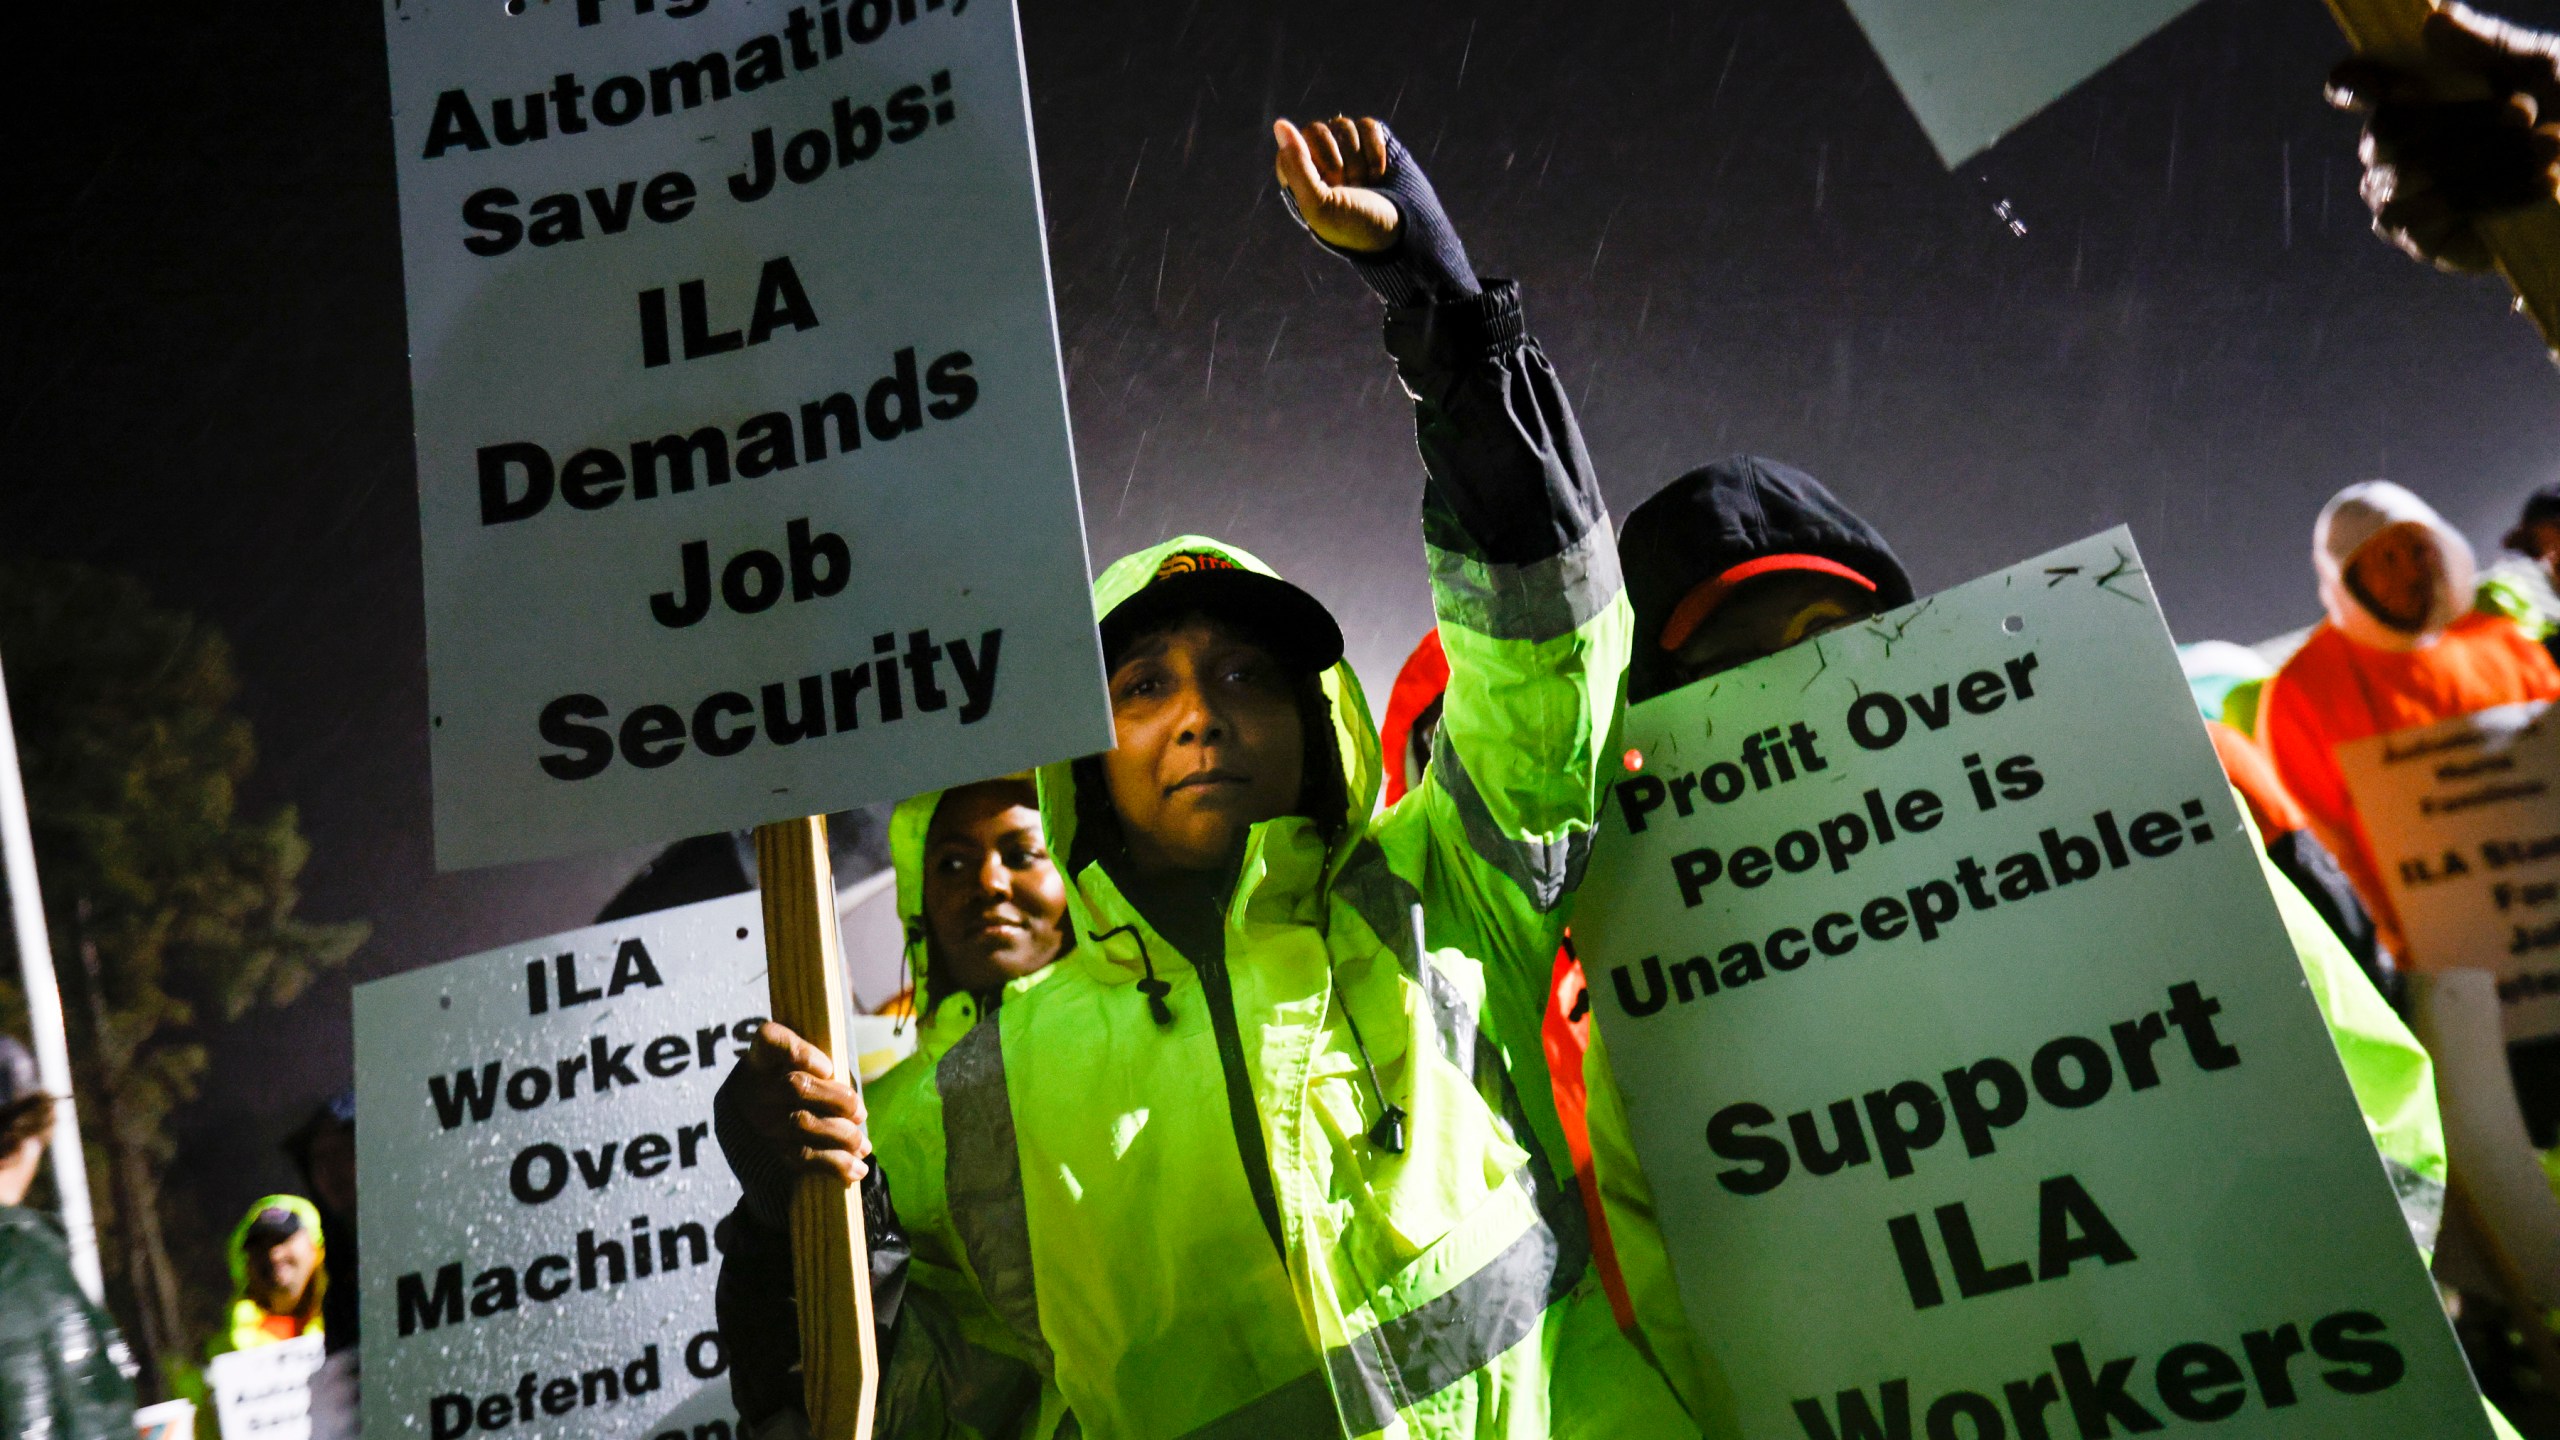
{"x": 1292, "y": 624}
{"x": 272, "y": 1226}
{"x": 1694, "y": 540}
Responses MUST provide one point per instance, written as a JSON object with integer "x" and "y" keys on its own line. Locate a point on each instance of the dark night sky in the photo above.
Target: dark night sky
{"x": 1732, "y": 234}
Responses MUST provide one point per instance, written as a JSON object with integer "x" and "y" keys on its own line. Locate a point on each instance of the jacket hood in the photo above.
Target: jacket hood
{"x": 237, "y": 1249}
{"x": 1708, "y": 521}
{"x": 2218, "y": 669}
{"x": 908, "y": 824}
{"x": 1355, "y": 737}
{"x": 2353, "y": 517}
{"x": 1419, "y": 685}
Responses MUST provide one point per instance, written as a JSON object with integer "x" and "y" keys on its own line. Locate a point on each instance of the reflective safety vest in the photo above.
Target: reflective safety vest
{"x": 1189, "y": 1226}
{"x": 962, "y": 1374}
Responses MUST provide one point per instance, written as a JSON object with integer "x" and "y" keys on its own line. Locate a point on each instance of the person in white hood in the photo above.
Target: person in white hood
{"x": 2402, "y": 647}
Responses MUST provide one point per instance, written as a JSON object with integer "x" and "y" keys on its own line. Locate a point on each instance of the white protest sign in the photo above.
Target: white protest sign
{"x": 1972, "y": 70}
{"x": 541, "y": 1182}
{"x": 1975, "y": 1078}
{"x": 2464, "y": 819}
{"x": 264, "y": 1393}
{"x": 743, "y": 462}
{"x": 168, "y": 1420}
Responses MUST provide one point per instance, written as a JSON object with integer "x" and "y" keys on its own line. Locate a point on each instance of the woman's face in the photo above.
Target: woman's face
{"x": 992, "y": 896}
{"x": 1210, "y": 743}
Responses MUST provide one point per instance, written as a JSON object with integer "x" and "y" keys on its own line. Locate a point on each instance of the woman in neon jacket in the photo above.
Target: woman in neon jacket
{"x": 984, "y": 909}
{"x": 1272, "y": 1151}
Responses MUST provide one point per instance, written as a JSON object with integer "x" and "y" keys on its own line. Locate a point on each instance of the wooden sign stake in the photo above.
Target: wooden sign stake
{"x": 830, "y": 1254}
{"x": 2526, "y": 242}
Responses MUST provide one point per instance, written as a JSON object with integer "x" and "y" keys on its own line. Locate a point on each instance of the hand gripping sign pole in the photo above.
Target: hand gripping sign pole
{"x": 2526, "y": 242}
{"x": 830, "y": 1254}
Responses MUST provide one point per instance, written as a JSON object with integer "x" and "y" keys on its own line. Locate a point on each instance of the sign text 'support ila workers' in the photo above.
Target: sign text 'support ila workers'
{"x": 1965, "y": 1051}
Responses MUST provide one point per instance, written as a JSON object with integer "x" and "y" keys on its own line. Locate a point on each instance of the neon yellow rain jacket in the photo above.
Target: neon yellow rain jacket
{"x": 1186, "y": 1226}
{"x": 247, "y": 1324}
{"x": 964, "y": 1374}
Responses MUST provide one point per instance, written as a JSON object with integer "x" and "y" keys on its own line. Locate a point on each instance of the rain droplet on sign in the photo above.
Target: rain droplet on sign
{"x": 2009, "y": 215}
{"x": 2014, "y": 624}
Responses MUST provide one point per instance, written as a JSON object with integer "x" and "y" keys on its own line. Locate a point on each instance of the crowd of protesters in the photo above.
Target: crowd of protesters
{"x": 1211, "y": 864}
{"x": 1333, "y": 961}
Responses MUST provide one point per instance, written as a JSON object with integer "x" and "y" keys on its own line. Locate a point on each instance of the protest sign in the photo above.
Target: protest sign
{"x": 1975, "y": 1078}
{"x": 541, "y": 1181}
{"x": 264, "y": 1393}
{"x": 743, "y": 463}
{"x": 1972, "y": 70}
{"x": 168, "y": 1420}
{"x": 2464, "y": 820}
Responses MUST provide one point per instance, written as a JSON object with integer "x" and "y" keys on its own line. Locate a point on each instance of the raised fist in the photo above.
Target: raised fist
{"x": 1329, "y": 167}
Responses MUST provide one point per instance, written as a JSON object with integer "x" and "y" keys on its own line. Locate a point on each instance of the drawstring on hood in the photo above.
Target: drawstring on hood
{"x": 1154, "y": 989}
{"x": 2348, "y": 523}
{"x": 1388, "y": 1133}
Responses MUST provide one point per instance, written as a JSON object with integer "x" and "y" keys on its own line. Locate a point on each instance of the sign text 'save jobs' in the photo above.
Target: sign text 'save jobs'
{"x": 743, "y": 459}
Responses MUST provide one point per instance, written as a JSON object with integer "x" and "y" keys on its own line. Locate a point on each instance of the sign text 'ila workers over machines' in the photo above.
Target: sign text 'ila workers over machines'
{"x": 541, "y": 1184}
{"x": 1973, "y": 1072}
{"x": 743, "y": 459}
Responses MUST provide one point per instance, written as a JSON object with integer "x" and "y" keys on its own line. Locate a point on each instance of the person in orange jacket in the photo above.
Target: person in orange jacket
{"x": 2228, "y": 681}
{"x": 2402, "y": 647}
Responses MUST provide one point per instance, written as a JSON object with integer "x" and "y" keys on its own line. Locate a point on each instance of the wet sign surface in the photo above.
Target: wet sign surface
{"x": 541, "y": 1182}
{"x": 1975, "y": 1078}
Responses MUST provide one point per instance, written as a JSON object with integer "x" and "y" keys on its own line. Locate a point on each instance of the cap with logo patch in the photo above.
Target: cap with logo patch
{"x": 1292, "y": 624}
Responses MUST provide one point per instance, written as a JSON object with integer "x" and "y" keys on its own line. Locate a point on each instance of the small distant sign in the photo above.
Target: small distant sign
{"x": 2465, "y": 820}
{"x": 265, "y": 1393}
